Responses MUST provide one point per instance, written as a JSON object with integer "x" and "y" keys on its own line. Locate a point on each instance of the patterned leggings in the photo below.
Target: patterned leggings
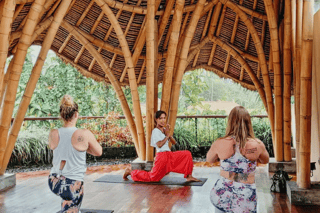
{"x": 71, "y": 192}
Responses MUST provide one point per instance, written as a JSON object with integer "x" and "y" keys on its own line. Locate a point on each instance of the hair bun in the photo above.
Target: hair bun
{"x": 67, "y": 101}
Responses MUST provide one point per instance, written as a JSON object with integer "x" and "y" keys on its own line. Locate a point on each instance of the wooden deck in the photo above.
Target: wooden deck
{"x": 33, "y": 195}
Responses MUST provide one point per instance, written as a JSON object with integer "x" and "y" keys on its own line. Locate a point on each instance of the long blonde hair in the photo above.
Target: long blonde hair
{"x": 239, "y": 125}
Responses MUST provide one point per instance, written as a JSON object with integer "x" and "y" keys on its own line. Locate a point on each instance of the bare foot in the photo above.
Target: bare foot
{"x": 127, "y": 172}
{"x": 192, "y": 179}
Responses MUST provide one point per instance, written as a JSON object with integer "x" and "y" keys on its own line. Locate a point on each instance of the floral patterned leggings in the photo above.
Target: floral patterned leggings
{"x": 71, "y": 192}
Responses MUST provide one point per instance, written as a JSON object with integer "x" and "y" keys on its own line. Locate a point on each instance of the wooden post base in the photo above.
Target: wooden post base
{"x": 289, "y": 167}
{"x": 298, "y": 196}
{"x": 7, "y": 181}
{"x": 139, "y": 164}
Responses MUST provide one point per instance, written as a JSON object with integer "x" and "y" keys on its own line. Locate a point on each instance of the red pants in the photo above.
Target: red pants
{"x": 165, "y": 162}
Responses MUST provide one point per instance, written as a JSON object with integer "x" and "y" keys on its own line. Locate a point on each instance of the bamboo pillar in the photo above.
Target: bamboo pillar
{"x": 306, "y": 91}
{"x": 5, "y": 29}
{"x": 35, "y": 74}
{"x": 132, "y": 77}
{"x": 287, "y": 70}
{"x": 10, "y": 95}
{"x": 5, "y": 83}
{"x": 170, "y": 60}
{"x": 298, "y": 83}
{"x": 113, "y": 80}
{"x": 274, "y": 34}
{"x": 150, "y": 57}
{"x": 157, "y": 59}
{"x": 182, "y": 61}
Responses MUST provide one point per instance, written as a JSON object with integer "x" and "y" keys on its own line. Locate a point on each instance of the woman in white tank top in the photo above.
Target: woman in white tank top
{"x": 70, "y": 146}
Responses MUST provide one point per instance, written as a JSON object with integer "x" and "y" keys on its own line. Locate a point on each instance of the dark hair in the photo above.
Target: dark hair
{"x": 157, "y": 115}
{"x": 68, "y": 108}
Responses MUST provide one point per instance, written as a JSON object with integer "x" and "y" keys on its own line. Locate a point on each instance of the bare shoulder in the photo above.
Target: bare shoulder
{"x": 221, "y": 142}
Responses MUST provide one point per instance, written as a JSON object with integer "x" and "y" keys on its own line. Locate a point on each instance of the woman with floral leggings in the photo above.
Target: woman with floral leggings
{"x": 70, "y": 146}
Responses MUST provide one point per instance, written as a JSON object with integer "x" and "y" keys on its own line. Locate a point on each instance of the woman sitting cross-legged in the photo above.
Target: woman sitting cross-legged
{"x": 70, "y": 146}
{"x": 238, "y": 151}
{"x": 165, "y": 160}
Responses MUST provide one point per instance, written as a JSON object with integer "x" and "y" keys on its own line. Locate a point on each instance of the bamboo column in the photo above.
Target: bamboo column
{"x": 150, "y": 60}
{"x": 287, "y": 70}
{"x": 182, "y": 61}
{"x": 113, "y": 80}
{"x": 132, "y": 78}
{"x": 157, "y": 59}
{"x": 5, "y": 29}
{"x": 172, "y": 50}
{"x": 306, "y": 90}
{"x": 274, "y": 34}
{"x": 10, "y": 95}
{"x": 298, "y": 82}
{"x": 35, "y": 74}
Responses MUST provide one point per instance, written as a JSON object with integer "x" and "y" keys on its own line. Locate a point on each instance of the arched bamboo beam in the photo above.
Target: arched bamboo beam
{"x": 113, "y": 80}
{"x": 35, "y": 74}
{"x": 182, "y": 63}
{"x": 165, "y": 18}
{"x": 274, "y": 35}
{"x": 17, "y": 11}
{"x": 236, "y": 56}
{"x": 287, "y": 70}
{"x": 24, "y": 1}
{"x": 5, "y": 29}
{"x": 261, "y": 56}
{"x": 5, "y": 83}
{"x": 10, "y": 95}
{"x": 172, "y": 49}
{"x": 298, "y": 82}
{"x": 150, "y": 42}
{"x": 132, "y": 78}
{"x": 306, "y": 91}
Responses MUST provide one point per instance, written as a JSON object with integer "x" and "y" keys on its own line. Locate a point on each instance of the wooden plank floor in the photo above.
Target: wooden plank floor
{"x": 33, "y": 195}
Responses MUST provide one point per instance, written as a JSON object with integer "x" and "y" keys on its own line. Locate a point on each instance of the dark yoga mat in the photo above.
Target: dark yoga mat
{"x": 93, "y": 211}
{"x": 165, "y": 181}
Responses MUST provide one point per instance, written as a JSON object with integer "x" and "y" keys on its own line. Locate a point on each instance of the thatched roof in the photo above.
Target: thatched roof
{"x": 87, "y": 17}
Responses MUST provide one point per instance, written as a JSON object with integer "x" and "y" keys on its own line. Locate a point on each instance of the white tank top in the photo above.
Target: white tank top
{"x": 75, "y": 166}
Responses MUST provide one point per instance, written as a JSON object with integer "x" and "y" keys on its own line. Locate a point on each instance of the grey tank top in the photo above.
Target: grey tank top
{"x": 75, "y": 166}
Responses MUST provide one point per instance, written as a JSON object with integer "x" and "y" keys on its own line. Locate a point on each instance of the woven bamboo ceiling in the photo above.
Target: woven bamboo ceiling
{"x": 86, "y": 17}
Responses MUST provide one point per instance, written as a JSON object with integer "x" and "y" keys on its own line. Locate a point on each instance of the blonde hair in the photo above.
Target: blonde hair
{"x": 239, "y": 126}
{"x": 68, "y": 108}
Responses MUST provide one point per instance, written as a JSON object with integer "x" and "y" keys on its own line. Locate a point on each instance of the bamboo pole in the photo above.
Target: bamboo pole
{"x": 113, "y": 80}
{"x": 287, "y": 70}
{"x": 18, "y": 62}
{"x": 182, "y": 63}
{"x": 172, "y": 49}
{"x": 157, "y": 60}
{"x": 5, "y": 29}
{"x": 298, "y": 82}
{"x": 132, "y": 78}
{"x": 138, "y": 46}
{"x": 306, "y": 91}
{"x": 165, "y": 19}
{"x": 35, "y": 74}
{"x": 261, "y": 56}
{"x": 273, "y": 26}
{"x": 150, "y": 42}
{"x": 5, "y": 83}
{"x": 17, "y": 11}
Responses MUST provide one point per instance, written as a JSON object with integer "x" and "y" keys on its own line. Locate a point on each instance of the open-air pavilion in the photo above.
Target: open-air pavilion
{"x": 264, "y": 45}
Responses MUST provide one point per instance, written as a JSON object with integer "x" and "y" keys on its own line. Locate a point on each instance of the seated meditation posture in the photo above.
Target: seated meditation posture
{"x": 70, "y": 146}
{"x": 238, "y": 151}
{"x": 165, "y": 160}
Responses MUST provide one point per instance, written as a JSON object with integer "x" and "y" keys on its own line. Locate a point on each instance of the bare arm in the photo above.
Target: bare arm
{"x": 163, "y": 142}
{"x": 172, "y": 140}
{"x": 94, "y": 147}
{"x": 212, "y": 155}
{"x": 264, "y": 156}
{"x": 53, "y": 139}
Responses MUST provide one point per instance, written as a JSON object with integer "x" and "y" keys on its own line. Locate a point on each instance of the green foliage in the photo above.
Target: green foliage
{"x": 31, "y": 147}
{"x": 262, "y": 130}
